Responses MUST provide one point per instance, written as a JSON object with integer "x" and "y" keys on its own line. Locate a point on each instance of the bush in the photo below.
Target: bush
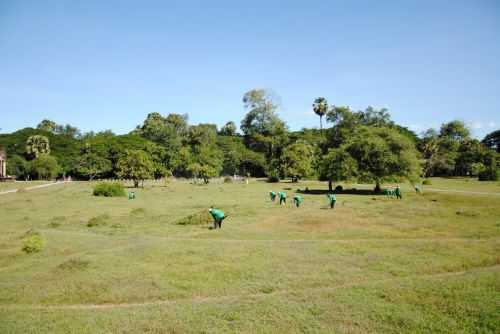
{"x": 109, "y": 189}
{"x": 273, "y": 178}
{"x": 228, "y": 179}
{"x": 338, "y": 189}
{"x": 98, "y": 221}
{"x": 199, "y": 218}
{"x": 33, "y": 243}
{"x": 489, "y": 174}
{"x": 427, "y": 182}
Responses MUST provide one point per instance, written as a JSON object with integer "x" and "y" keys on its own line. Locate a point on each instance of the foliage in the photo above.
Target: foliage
{"x": 91, "y": 165}
{"x": 17, "y": 166}
{"x": 338, "y": 165}
{"x": 36, "y": 145}
{"x": 427, "y": 182}
{"x": 229, "y": 129}
{"x": 297, "y": 160}
{"x": 109, "y": 189}
{"x": 492, "y": 140}
{"x": 33, "y": 243}
{"x": 320, "y": 108}
{"x": 136, "y": 165}
{"x": 44, "y": 167}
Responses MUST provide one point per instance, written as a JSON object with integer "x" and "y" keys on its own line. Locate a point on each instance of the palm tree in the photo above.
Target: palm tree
{"x": 320, "y": 108}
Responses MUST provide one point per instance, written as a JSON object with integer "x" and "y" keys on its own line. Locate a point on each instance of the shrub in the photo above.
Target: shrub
{"x": 109, "y": 189}
{"x": 228, "y": 179}
{"x": 33, "y": 243}
{"x": 427, "y": 182}
{"x": 338, "y": 189}
{"x": 98, "y": 221}
{"x": 199, "y": 218}
{"x": 273, "y": 178}
{"x": 489, "y": 174}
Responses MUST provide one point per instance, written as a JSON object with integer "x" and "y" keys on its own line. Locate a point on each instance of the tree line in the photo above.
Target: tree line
{"x": 365, "y": 145}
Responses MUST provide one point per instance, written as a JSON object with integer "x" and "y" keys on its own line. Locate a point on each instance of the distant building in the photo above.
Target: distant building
{"x": 3, "y": 164}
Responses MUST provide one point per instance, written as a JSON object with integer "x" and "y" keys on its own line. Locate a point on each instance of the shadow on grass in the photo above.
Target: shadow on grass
{"x": 352, "y": 191}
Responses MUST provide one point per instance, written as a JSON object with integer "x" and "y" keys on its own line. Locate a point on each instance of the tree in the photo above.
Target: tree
{"x": 47, "y": 125}
{"x": 383, "y": 154}
{"x": 92, "y": 165}
{"x": 229, "y": 129}
{"x": 320, "y": 108}
{"x": 455, "y": 131}
{"x": 337, "y": 165}
{"x": 135, "y": 165}
{"x": 492, "y": 140}
{"x": 44, "y": 167}
{"x": 264, "y": 131}
{"x": 36, "y": 145}
{"x": 297, "y": 160}
{"x": 17, "y": 166}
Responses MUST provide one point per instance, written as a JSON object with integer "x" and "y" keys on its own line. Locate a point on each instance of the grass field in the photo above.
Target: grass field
{"x": 426, "y": 264}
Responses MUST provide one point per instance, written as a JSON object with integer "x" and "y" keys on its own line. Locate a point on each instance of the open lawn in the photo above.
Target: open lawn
{"x": 426, "y": 264}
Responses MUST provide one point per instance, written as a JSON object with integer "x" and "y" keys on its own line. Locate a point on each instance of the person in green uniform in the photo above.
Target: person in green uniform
{"x": 333, "y": 199}
{"x": 297, "y": 199}
{"x": 218, "y": 216}
{"x": 272, "y": 194}
{"x": 282, "y": 196}
{"x": 398, "y": 193}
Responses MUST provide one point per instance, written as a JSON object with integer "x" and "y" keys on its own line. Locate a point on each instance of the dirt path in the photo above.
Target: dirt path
{"x": 208, "y": 299}
{"x": 32, "y": 188}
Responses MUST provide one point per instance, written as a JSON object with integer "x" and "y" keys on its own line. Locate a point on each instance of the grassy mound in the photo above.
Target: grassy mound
{"x": 198, "y": 218}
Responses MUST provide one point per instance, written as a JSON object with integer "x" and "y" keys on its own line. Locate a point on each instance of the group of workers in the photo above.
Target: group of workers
{"x": 219, "y": 215}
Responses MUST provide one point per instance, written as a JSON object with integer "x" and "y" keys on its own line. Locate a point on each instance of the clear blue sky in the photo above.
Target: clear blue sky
{"x": 107, "y": 64}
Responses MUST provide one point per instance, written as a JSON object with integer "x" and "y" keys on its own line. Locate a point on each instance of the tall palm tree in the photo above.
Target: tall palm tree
{"x": 320, "y": 108}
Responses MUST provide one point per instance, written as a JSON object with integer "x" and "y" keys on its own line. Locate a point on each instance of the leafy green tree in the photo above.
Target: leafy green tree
{"x": 337, "y": 165}
{"x": 320, "y": 108}
{"x": 492, "y": 140}
{"x": 229, "y": 129}
{"x": 455, "y": 131}
{"x": 47, "y": 125}
{"x": 37, "y": 145}
{"x": 297, "y": 160}
{"x": 383, "y": 154}
{"x": 17, "y": 166}
{"x": 92, "y": 165}
{"x": 44, "y": 167}
{"x": 135, "y": 165}
{"x": 264, "y": 131}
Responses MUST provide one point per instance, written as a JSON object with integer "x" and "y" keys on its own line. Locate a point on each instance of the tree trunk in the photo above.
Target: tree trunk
{"x": 330, "y": 186}
{"x": 377, "y": 189}
{"x": 136, "y": 183}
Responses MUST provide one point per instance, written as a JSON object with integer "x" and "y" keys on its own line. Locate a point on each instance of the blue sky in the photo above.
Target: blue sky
{"x": 107, "y": 64}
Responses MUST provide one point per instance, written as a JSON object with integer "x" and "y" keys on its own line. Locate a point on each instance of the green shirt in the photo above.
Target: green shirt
{"x": 298, "y": 198}
{"x": 332, "y": 197}
{"x": 217, "y": 214}
{"x": 282, "y": 194}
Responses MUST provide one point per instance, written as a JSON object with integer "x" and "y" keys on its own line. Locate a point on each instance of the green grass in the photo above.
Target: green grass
{"x": 426, "y": 264}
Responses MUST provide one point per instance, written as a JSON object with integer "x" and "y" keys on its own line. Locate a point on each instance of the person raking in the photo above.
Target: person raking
{"x": 218, "y": 216}
{"x": 282, "y": 196}
{"x": 297, "y": 199}
{"x": 272, "y": 194}
{"x": 332, "y": 199}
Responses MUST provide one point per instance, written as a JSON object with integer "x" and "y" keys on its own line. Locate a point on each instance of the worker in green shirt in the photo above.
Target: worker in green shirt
{"x": 218, "y": 216}
{"x": 297, "y": 199}
{"x": 398, "y": 193}
{"x": 272, "y": 194}
{"x": 282, "y": 197}
{"x": 332, "y": 199}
